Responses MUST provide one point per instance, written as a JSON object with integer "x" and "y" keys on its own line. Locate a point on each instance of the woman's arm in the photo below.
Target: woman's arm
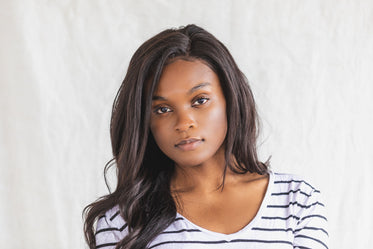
{"x": 311, "y": 230}
{"x": 111, "y": 228}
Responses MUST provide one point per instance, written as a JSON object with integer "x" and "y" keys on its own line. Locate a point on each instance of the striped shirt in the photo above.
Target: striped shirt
{"x": 291, "y": 215}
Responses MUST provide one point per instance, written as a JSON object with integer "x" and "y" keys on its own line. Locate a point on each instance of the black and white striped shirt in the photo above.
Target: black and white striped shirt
{"x": 291, "y": 215}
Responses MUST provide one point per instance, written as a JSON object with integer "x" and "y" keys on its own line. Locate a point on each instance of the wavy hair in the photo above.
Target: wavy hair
{"x": 143, "y": 170}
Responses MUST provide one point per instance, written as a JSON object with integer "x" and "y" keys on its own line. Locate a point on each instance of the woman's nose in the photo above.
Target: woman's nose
{"x": 185, "y": 121}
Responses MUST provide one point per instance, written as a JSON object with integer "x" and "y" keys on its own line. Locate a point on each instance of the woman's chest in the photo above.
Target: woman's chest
{"x": 227, "y": 213}
{"x": 185, "y": 235}
{"x": 224, "y": 217}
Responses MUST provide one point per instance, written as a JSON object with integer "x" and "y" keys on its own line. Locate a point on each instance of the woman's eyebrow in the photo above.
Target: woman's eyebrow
{"x": 155, "y": 97}
{"x": 192, "y": 90}
{"x": 199, "y": 86}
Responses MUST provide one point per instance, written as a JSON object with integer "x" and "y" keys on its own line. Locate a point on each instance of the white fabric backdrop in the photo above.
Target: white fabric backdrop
{"x": 310, "y": 67}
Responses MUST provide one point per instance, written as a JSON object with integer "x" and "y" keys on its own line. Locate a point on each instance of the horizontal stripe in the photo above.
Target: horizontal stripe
{"x": 224, "y": 242}
{"x": 297, "y": 204}
{"x": 106, "y": 229}
{"x": 273, "y": 229}
{"x": 182, "y": 230}
{"x": 263, "y": 241}
{"x": 106, "y": 244}
{"x": 317, "y": 240}
{"x": 312, "y": 228}
{"x": 123, "y": 227}
{"x": 115, "y": 215}
{"x": 111, "y": 229}
{"x": 296, "y": 181}
{"x": 280, "y": 218}
{"x": 312, "y": 216}
{"x": 179, "y": 218}
{"x": 189, "y": 242}
{"x": 289, "y": 229}
{"x": 291, "y": 191}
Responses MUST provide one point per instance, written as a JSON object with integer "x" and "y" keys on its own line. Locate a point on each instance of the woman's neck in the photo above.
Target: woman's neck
{"x": 206, "y": 178}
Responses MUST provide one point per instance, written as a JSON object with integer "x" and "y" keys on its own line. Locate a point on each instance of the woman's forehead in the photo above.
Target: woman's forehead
{"x": 186, "y": 76}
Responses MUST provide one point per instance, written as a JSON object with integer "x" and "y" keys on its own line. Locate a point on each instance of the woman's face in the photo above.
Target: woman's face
{"x": 188, "y": 119}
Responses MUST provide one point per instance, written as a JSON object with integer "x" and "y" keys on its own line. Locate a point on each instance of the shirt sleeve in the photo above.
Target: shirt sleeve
{"x": 311, "y": 230}
{"x": 110, "y": 230}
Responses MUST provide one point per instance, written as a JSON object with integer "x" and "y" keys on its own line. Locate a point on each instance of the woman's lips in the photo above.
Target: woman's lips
{"x": 189, "y": 144}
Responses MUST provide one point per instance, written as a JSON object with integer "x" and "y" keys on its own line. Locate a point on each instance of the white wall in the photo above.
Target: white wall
{"x": 61, "y": 63}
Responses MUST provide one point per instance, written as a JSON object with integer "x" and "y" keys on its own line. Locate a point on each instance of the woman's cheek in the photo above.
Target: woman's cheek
{"x": 160, "y": 132}
{"x": 215, "y": 116}
{"x": 218, "y": 124}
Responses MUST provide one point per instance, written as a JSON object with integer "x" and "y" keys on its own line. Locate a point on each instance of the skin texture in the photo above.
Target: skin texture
{"x": 189, "y": 103}
{"x": 181, "y": 111}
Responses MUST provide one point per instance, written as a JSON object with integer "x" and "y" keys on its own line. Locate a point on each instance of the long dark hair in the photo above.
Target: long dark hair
{"x": 143, "y": 171}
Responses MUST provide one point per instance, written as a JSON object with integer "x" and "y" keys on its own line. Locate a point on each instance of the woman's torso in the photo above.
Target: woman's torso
{"x": 290, "y": 215}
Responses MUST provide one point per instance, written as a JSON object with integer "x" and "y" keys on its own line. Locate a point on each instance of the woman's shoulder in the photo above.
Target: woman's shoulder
{"x": 112, "y": 212}
{"x": 297, "y": 199}
{"x": 110, "y": 228}
{"x": 294, "y": 183}
{"x": 111, "y": 218}
{"x": 298, "y": 194}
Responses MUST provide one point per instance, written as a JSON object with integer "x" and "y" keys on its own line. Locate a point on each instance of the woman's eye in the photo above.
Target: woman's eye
{"x": 162, "y": 110}
{"x": 200, "y": 101}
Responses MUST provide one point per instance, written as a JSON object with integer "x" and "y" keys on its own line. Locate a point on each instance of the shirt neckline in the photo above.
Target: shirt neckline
{"x": 257, "y": 217}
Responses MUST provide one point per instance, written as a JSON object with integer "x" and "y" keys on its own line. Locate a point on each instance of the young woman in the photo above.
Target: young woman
{"x": 183, "y": 132}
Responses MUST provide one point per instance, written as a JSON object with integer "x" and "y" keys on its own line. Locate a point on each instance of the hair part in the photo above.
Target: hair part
{"x": 143, "y": 170}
